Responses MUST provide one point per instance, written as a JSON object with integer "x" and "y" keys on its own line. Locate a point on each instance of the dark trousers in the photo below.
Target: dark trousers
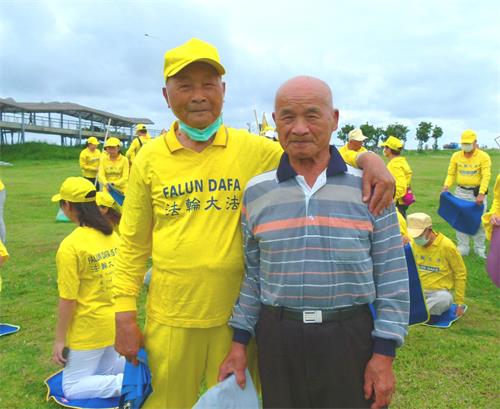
{"x": 313, "y": 365}
{"x": 94, "y": 182}
{"x": 402, "y": 209}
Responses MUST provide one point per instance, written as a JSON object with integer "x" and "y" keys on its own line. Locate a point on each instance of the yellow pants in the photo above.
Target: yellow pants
{"x": 180, "y": 358}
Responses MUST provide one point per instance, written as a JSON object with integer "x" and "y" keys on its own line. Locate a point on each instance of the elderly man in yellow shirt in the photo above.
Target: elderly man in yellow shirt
{"x": 142, "y": 138}
{"x": 470, "y": 169}
{"x": 440, "y": 265}
{"x": 355, "y": 140}
{"x": 183, "y": 206}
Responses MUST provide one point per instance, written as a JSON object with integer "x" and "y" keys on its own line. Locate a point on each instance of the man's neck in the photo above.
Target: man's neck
{"x": 310, "y": 169}
{"x": 188, "y": 143}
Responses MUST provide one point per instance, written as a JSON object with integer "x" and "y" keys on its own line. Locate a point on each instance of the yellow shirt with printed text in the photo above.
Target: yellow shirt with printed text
{"x": 85, "y": 263}
{"x": 469, "y": 172}
{"x": 402, "y": 174}
{"x": 494, "y": 210}
{"x": 114, "y": 171}
{"x": 441, "y": 267}
{"x": 89, "y": 162}
{"x": 136, "y": 145}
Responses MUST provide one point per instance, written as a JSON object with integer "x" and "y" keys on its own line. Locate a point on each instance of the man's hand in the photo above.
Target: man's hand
{"x": 57, "y": 353}
{"x": 460, "y": 310}
{"x": 495, "y": 220}
{"x": 380, "y": 383}
{"x": 235, "y": 362}
{"x": 479, "y": 199}
{"x": 378, "y": 183}
{"x": 128, "y": 338}
{"x": 444, "y": 189}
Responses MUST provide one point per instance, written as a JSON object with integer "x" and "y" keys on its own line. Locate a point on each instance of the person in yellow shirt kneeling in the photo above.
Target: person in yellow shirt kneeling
{"x": 114, "y": 167}
{"x": 109, "y": 209}
{"x": 440, "y": 265}
{"x": 85, "y": 329}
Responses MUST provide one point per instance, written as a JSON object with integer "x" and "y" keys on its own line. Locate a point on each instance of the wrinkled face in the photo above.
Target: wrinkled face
{"x": 195, "y": 95}
{"x": 355, "y": 145}
{"x": 305, "y": 119}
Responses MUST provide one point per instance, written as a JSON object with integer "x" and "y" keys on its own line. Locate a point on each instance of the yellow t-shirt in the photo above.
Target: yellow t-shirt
{"x": 136, "y": 146}
{"x": 346, "y": 152}
{"x": 2, "y": 186}
{"x": 402, "y": 174}
{"x": 85, "y": 263}
{"x": 494, "y": 209}
{"x": 89, "y": 162}
{"x": 5, "y": 255}
{"x": 114, "y": 171}
{"x": 469, "y": 172}
{"x": 441, "y": 267}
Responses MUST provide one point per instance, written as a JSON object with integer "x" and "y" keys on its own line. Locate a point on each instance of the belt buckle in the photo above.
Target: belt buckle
{"x": 312, "y": 317}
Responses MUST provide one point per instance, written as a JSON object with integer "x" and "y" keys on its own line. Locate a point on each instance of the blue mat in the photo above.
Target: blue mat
{"x": 116, "y": 194}
{"x": 55, "y": 391}
{"x": 7, "y": 329}
{"x": 462, "y": 215}
{"x": 445, "y": 319}
{"x": 418, "y": 308}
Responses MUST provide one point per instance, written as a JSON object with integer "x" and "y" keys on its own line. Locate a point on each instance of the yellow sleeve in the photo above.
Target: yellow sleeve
{"x": 452, "y": 171}
{"x": 485, "y": 172}
{"x": 101, "y": 174}
{"x": 132, "y": 150}
{"x": 457, "y": 266}
{"x": 350, "y": 157}
{"x": 136, "y": 229}
{"x": 399, "y": 176}
{"x": 68, "y": 279}
{"x": 125, "y": 173}
{"x": 83, "y": 160}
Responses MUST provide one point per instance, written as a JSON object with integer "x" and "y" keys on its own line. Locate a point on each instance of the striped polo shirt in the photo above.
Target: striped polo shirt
{"x": 320, "y": 248}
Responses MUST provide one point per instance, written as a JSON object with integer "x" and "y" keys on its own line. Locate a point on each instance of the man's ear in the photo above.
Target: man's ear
{"x": 165, "y": 95}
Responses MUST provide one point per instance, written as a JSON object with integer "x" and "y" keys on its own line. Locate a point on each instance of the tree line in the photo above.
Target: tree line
{"x": 375, "y": 135}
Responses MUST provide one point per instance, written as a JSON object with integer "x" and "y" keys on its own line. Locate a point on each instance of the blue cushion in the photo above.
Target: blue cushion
{"x": 446, "y": 318}
{"x": 461, "y": 214}
{"x": 55, "y": 391}
{"x": 7, "y": 329}
{"x": 117, "y": 195}
{"x": 136, "y": 385}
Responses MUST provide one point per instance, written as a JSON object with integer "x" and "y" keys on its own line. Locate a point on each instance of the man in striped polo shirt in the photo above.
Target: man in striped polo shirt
{"x": 315, "y": 258}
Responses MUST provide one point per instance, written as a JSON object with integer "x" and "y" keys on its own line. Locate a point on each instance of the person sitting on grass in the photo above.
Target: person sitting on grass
{"x": 109, "y": 209}
{"x": 85, "y": 329}
{"x": 440, "y": 266}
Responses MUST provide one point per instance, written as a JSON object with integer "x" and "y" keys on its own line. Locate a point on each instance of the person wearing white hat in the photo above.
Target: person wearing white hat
{"x": 89, "y": 160}
{"x": 355, "y": 139}
{"x": 142, "y": 137}
{"x": 470, "y": 169}
{"x": 440, "y": 265}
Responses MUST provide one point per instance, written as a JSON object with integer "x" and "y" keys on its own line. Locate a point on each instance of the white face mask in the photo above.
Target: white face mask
{"x": 421, "y": 241}
{"x": 467, "y": 147}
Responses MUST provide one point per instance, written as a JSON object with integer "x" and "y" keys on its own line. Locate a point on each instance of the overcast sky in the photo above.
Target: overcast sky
{"x": 386, "y": 61}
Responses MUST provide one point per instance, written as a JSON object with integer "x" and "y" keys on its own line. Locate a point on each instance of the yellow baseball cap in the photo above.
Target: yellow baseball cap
{"x": 468, "y": 136}
{"x": 194, "y": 50}
{"x": 112, "y": 142}
{"x": 104, "y": 199}
{"x": 93, "y": 140}
{"x": 75, "y": 189}
{"x": 140, "y": 127}
{"x": 417, "y": 223}
{"x": 356, "y": 135}
{"x": 393, "y": 143}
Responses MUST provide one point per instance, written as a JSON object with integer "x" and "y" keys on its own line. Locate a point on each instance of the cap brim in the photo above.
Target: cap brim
{"x": 359, "y": 139}
{"x": 414, "y": 233}
{"x": 56, "y": 198}
{"x": 218, "y": 66}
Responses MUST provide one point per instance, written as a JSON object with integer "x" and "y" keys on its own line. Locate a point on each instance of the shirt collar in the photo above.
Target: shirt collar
{"x": 335, "y": 166}
{"x": 174, "y": 144}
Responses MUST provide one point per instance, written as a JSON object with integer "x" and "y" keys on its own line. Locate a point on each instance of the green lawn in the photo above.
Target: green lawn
{"x": 454, "y": 368}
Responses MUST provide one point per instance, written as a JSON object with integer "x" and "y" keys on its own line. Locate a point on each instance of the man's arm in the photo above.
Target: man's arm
{"x": 459, "y": 272}
{"x": 378, "y": 183}
{"x": 392, "y": 305}
{"x": 485, "y": 178}
{"x": 247, "y": 308}
{"x": 136, "y": 227}
{"x": 452, "y": 173}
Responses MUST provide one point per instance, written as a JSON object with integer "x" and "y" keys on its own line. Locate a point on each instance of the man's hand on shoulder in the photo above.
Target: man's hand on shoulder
{"x": 378, "y": 183}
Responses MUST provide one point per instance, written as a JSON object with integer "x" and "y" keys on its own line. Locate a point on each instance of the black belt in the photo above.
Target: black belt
{"x": 317, "y": 316}
{"x": 468, "y": 188}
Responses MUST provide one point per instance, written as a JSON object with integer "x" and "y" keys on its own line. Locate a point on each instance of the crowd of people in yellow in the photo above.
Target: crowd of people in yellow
{"x": 184, "y": 197}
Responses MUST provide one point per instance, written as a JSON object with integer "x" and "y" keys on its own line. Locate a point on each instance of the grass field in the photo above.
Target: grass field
{"x": 454, "y": 368}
